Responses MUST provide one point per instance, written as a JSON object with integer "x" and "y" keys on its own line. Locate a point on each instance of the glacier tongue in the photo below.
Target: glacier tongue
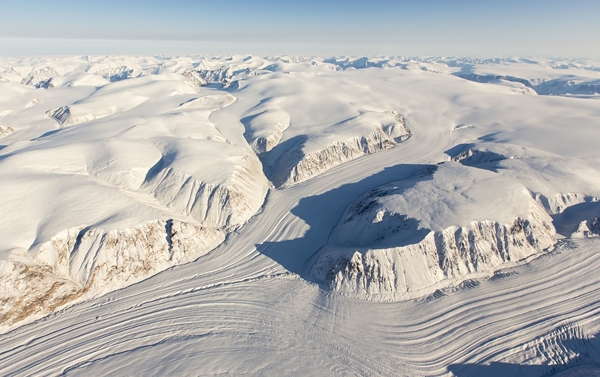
{"x": 136, "y": 179}
{"x": 117, "y": 191}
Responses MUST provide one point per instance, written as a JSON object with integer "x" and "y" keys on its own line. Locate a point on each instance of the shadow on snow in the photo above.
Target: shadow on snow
{"x": 322, "y": 212}
{"x": 586, "y": 363}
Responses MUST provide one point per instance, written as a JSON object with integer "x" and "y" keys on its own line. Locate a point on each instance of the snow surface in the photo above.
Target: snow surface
{"x": 162, "y": 171}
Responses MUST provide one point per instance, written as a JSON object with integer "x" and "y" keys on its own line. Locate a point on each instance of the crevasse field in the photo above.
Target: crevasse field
{"x": 239, "y": 215}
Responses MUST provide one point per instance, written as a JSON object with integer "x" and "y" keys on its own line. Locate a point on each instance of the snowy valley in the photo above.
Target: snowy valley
{"x": 276, "y": 215}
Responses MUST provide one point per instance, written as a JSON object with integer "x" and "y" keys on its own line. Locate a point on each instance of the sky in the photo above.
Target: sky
{"x": 308, "y": 27}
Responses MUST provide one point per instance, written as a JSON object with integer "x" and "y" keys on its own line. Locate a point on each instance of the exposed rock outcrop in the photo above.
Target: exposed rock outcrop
{"x": 441, "y": 259}
{"x": 265, "y": 124}
{"x": 45, "y": 84}
{"x": 558, "y": 203}
{"x": 431, "y": 231}
{"x": 32, "y": 103}
{"x": 63, "y": 114}
{"x": 39, "y": 75}
{"x": 5, "y": 131}
{"x": 296, "y": 166}
{"x": 96, "y": 106}
{"x": 472, "y": 157}
{"x": 263, "y": 144}
{"x": 82, "y": 263}
{"x": 587, "y": 228}
{"x": 219, "y": 206}
{"x": 194, "y": 80}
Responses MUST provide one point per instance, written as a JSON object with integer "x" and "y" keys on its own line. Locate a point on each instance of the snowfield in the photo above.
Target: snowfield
{"x": 299, "y": 216}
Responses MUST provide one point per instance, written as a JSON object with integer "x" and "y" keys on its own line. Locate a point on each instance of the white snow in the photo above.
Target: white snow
{"x": 299, "y": 216}
{"x": 5, "y": 130}
{"x": 411, "y": 237}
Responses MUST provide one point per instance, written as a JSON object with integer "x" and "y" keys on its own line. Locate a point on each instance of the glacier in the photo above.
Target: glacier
{"x": 269, "y": 215}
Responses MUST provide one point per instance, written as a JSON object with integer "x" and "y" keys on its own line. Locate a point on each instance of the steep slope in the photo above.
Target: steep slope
{"x": 306, "y": 159}
{"x": 94, "y": 207}
{"x": 306, "y": 124}
{"x": 135, "y": 184}
{"x": 265, "y": 124}
{"x": 5, "y": 130}
{"x": 452, "y": 222}
{"x": 409, "y": 238}
{"x": 84, "y": 263}
{"x": 39, "y": 75}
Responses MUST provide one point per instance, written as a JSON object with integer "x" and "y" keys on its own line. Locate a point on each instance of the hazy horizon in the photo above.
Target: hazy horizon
{"x": 265, "y": 27}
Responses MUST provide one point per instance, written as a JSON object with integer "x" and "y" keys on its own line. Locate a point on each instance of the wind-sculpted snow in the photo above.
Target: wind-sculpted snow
{"x": 246, "y": 215}
{"x": 412, "y": 237}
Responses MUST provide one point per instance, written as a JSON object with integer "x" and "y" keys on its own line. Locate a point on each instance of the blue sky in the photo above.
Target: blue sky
{"x": 424, "y": 27}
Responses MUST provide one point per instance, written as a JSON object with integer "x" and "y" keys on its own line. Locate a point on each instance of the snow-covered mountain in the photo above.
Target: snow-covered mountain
{"x": 321, "y": 216}
{"x": 411, "y": 237}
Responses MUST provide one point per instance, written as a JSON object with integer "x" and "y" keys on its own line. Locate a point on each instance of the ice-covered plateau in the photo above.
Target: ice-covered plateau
{"x": 557, "y": 183}
{"x": 193, "y": 212}
{"x": 95, "y": 107}
{"x": 304, "y": 124}
{"x": 447, "y": 224}
{"x": 126, "y": 151}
